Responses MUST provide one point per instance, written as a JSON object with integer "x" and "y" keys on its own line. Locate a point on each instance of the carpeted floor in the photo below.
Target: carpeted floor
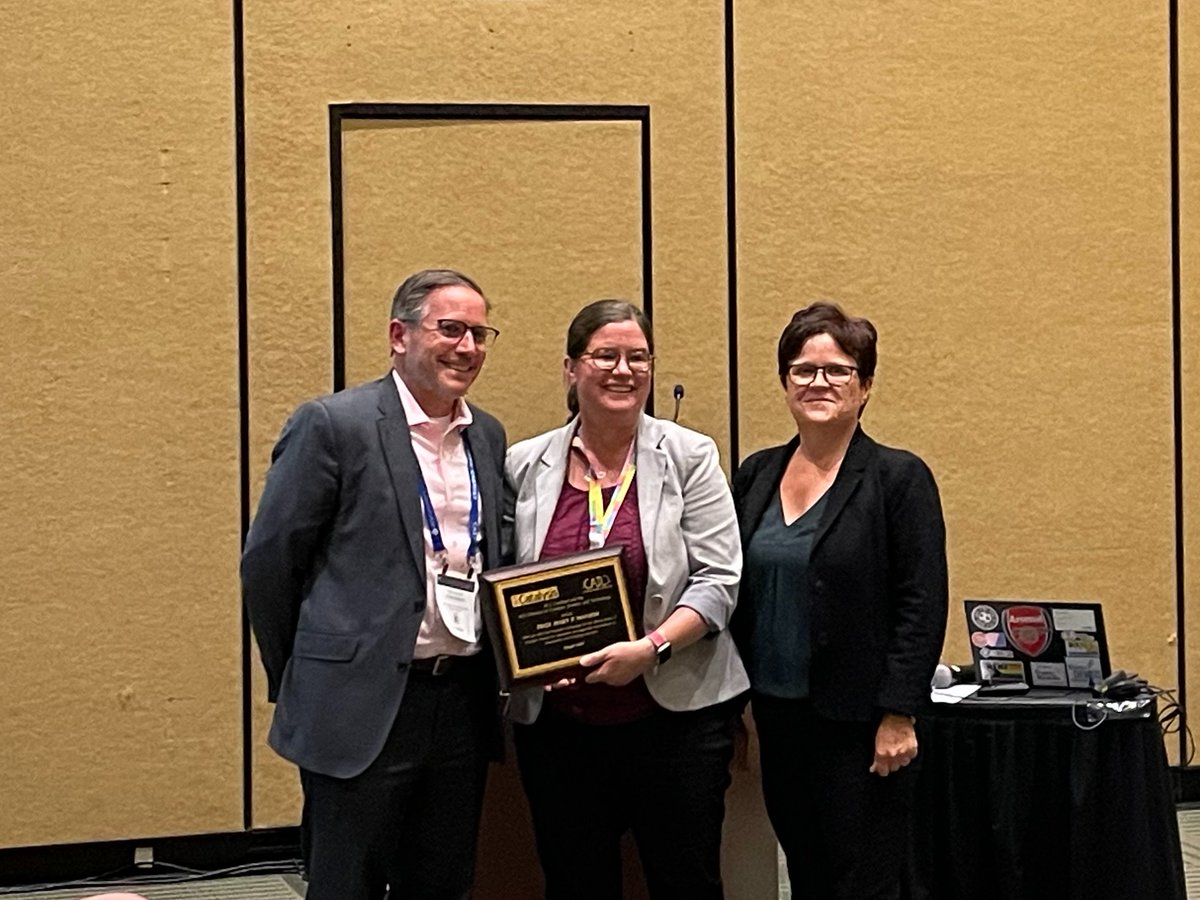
{"x": 254, "y": 887}
{"x": 289, "y": 887}
{"x": 1189, "y": 839}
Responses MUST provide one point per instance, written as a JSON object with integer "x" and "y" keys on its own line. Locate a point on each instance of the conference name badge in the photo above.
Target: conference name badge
{"x": 457, "y": 597}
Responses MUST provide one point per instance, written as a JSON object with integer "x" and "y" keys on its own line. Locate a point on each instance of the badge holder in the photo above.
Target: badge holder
{"x": 457, "y": 597}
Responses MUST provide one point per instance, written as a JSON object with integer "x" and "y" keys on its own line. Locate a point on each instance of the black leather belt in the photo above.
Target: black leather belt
{"x": 438, "y": 666}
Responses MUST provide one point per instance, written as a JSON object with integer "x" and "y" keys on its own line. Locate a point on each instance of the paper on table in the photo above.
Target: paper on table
{"x": 953, "y": 694}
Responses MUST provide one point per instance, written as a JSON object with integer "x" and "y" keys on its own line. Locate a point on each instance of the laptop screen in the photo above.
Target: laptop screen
{"x": 1043, "y": 643}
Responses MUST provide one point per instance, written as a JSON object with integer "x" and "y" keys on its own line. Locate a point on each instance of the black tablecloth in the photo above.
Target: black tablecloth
{"x": 1015, "y": 801}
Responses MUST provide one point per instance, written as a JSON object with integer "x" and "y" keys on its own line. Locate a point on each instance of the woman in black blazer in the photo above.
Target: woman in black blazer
{"x": 841, "y": 616}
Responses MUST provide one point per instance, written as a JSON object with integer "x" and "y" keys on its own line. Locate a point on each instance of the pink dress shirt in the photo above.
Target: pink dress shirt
{"x": 438, "y": 444}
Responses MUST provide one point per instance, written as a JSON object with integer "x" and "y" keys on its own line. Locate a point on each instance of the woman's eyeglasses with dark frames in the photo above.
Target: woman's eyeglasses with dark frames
{"x": 803, "y": 374}
{"x": 607, "y": 359}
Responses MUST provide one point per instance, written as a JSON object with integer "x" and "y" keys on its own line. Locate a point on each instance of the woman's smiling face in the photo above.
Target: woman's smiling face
{"x": 617, "y": 390}
{"x": 821, "y": 402}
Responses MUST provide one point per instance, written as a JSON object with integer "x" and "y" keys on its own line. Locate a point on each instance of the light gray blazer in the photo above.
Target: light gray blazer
{"x": 693, "y": 550}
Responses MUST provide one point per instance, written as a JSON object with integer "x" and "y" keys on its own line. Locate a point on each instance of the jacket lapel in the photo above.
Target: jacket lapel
{"x": 763, "y": 487}
{"x": 651, "y": 478}
{"x": 551, "y": 473}
{"x": 402, "y": 465}
{"x": 548, "y": 483}
{"x": 849, "y": 477}
{"x": 489, "y": 490}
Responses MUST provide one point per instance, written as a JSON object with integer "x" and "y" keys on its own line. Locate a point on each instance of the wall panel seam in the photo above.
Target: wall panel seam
{"x": 1177, "y": 382}
{"x": 239, "y": 119}
{"x": 731, "y": 239}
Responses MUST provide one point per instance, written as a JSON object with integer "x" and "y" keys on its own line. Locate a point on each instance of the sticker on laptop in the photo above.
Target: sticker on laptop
{"x": 988, "y": 639}
{"x": 1074, "y": 619}
{"x": 1081, "y": 643}
{"x": 1001, "y": 670}
{"x": 1048, "y": 674}
{"x": 1083, "y": 671}
{"x": 1028, "y": 628}
{"x": 984, "y": 617}
{"x": 989, "y": 653}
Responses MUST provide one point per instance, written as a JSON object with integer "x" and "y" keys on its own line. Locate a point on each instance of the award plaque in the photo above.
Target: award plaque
{"x": 543, "y": 616}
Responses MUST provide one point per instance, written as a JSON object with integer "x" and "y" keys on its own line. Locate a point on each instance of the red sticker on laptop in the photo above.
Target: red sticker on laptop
{"x": 1028, "y": 628}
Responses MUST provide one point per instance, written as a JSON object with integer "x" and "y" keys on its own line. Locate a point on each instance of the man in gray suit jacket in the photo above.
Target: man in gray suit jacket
{"x": 382, "y": 504}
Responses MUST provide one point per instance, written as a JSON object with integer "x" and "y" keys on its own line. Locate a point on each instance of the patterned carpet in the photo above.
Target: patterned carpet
{"x": 1189, "y": 839}
{"x": 255, "y": 887}
{"x": 289, "y": 887}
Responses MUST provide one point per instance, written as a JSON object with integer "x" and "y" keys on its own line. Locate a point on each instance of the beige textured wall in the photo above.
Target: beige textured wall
{"x": 120, "y": 675}
{"x": 300, "y": 58}
{"x": 548, "y": 213}
{"x": 988, "y": 182}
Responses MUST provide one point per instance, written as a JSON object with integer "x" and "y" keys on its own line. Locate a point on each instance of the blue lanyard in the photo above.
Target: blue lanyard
{"x": 435, "y": 532}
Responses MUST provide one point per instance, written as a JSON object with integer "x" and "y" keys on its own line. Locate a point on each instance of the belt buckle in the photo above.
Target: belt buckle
{"x": 441, "y": 664}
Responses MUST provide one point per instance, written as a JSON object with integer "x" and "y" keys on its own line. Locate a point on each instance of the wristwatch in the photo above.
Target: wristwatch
{"x": 662, "y": 647}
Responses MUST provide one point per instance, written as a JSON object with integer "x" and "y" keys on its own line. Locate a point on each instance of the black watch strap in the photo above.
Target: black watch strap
{"x": 662, "y": 647}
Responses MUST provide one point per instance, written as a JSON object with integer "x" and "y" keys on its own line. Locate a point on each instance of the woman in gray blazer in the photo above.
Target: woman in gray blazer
{"x": 644, "y": 741}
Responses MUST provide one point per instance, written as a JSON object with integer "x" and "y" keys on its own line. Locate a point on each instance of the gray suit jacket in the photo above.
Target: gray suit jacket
{"x": 693, "y": 552}
{"x": 333, "y": 572}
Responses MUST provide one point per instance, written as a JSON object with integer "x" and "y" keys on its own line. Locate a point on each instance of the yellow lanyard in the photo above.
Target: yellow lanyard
{"x": 600, "y": 517}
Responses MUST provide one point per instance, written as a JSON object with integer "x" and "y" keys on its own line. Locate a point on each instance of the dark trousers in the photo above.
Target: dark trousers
{"x": 844, "y": 830}
{"x": 411, "y": 820}
{"x": 663, "y": 777}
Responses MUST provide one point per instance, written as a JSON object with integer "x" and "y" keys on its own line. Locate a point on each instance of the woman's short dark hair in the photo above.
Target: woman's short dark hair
{"x": 591, "y": 319}
{"x": 855, "y": 336}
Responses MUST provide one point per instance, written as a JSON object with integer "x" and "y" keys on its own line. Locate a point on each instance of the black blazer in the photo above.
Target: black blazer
{"x": 877, "y": 576}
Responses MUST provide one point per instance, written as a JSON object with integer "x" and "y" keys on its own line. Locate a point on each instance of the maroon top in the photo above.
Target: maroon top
{"x": 602, "y": 704}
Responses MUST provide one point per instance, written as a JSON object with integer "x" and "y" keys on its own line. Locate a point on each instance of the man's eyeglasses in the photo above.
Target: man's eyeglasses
{"x": 803, "y": 374}
{"x": 454, "y": 330}
{"x": 607, "y": 359}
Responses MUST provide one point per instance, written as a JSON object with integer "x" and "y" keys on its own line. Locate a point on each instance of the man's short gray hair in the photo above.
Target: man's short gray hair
{"x": 408, "y": 303}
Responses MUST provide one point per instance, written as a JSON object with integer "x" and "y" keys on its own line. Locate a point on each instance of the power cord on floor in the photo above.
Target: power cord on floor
{"x": 176, "y": 875}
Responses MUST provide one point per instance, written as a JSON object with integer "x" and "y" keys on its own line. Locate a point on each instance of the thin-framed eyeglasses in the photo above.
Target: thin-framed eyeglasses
{"x": 607, "y": 358}
{"x": 455, "y": 330}
{"x": 804, "y": 374}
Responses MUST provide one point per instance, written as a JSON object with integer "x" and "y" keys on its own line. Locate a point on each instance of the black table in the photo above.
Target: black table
{"x": 1015, "y": 802}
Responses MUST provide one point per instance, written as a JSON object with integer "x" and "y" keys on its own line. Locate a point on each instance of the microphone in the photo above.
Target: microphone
{"x": 677, "y": 391}
{"x": 945, "y": 675}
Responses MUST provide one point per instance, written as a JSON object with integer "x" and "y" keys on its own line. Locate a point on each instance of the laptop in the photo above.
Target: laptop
{"x": 1019, "y": 644}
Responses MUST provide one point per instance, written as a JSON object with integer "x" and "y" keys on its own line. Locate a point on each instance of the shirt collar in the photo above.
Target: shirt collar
{"x": 460, "y": 418}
